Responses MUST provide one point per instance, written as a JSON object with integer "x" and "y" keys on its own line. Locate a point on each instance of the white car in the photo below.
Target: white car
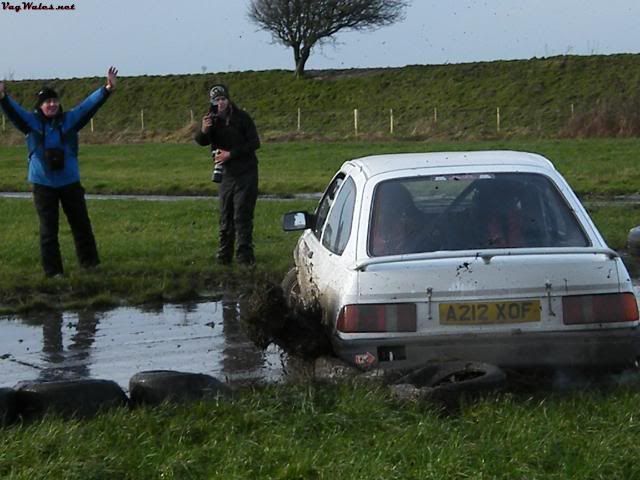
{"x": 482, "y": 256}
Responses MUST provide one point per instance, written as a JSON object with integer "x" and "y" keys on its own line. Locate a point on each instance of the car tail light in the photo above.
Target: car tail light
{"x": 394, "y": 317}
{"x": 605, "y": 308}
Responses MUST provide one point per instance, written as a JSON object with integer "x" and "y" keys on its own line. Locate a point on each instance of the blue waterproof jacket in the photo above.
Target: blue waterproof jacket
{"x": 59, "y": 132}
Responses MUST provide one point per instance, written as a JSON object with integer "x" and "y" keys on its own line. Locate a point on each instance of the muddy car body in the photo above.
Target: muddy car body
{"x": 485, "y": 256}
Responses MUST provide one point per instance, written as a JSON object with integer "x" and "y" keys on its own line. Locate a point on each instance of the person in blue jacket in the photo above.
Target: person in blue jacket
{"x": 52, "y": 142}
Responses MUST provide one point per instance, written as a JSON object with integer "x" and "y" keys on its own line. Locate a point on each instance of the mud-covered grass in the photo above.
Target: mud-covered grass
{"x": 342, "y": 431}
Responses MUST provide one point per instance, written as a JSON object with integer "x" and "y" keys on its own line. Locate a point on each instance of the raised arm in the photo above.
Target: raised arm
{"x": 23, "y": 120}
{"x": 80, "y": 115}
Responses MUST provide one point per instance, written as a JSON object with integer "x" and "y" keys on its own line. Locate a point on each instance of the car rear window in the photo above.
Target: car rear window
{"x": 469, "y": 212}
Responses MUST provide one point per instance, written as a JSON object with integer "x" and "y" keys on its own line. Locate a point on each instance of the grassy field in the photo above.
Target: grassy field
{"x": 155, "y": 251}
{"x": 338, "y": 432}
{"x": 603, "y": 167}
{"x": 159, "y": 251}
{"x": 165, "y": 251}
{"x": 151, "y": 251}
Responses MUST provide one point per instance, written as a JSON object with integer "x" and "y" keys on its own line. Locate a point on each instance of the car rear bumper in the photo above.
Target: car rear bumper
{"x": 601, "y": 349}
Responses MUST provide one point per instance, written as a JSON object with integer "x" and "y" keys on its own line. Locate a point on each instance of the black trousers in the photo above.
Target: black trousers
{"x": 71, "y": 197}
{"x": 238, "y": 196}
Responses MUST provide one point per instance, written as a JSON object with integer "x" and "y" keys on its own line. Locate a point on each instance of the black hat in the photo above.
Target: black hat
{"x": 45, "y": 94}
{"x": 218, "y": 91}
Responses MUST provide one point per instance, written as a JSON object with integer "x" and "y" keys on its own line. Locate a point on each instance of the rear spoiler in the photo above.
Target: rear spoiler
{"x": 485, "y": 255}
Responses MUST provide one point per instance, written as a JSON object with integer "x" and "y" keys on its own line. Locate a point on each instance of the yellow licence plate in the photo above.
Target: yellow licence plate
{"x": 479, "y": 313}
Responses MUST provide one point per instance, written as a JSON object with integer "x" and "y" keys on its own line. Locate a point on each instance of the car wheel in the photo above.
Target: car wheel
{"x": 448, "y": 382}
{"x": 69, "y": 398}
{"x": 291, "y": 288}
{"x": 154, "y": 387}
{"x": 468, "y": 376}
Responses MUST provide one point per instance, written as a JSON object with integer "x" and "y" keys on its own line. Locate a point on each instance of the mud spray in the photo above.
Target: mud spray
{"x": 267, "y": 319}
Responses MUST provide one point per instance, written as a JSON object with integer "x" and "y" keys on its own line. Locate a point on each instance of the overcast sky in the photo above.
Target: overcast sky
{"x": 156, "y": 37}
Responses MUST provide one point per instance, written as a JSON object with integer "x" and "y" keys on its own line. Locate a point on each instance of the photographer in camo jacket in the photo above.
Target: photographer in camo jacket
{"x": 233, "y": 138}
{"x": 52, "y": 142}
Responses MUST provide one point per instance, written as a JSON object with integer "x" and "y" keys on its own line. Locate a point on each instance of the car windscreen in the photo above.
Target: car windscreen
{"x": 469, "y": 212}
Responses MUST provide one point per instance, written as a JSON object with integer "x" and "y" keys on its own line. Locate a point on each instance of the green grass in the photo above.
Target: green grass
{"x": 535, "y": 97}
{"x": 338, "y": 432}
{"x": 614, "y": 222}
{"x": 155, "y": 251}
{"x": 162, "y": 251}
{"x": 158, "y": 251}
{"x": 151, "y": 251}
{"x": 603, "y": 167}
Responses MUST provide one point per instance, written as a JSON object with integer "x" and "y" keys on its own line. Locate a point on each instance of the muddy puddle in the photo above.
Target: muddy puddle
{"x": 200, "y": 337}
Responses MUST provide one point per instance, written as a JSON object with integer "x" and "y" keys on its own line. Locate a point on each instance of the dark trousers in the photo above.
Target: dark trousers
{"x": 238, "y": 196}
{"x": 71, "y": 197}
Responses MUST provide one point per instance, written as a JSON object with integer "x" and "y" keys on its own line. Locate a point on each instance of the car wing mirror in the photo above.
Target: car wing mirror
{"x": 292, "y": 221}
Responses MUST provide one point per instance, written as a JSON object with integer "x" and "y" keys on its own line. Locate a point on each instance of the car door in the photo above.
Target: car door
{"x": 325, "y": 271}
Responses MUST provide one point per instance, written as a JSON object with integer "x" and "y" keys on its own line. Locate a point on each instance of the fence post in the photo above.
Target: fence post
{"x": 355, "y": 121}
{"x": 92, "y": 125}
{"x": 498, "y": 119}
{"x": 192, "y": 119}
{"x": 142, "y": 119}
{"x": 391, "y": 121}
{"x": 299, "y": 119}
{"x": 435, "y": 114}
{"x": 4, "y": 125}
{"x": 572, "y": 110}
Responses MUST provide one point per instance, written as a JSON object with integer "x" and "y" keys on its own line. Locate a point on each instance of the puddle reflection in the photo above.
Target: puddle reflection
{"x": 116, "y": 344}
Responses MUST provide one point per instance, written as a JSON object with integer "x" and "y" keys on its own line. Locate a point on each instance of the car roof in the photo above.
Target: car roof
{"x": 379, "y": 164}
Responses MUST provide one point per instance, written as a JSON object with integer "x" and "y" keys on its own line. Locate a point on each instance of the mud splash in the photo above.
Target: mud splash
{"x": 268, "y": 320}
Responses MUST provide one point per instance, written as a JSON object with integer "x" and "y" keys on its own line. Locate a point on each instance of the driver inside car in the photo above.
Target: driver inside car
{"x": 396, "y": 221}
{"x": 501, "y": 215}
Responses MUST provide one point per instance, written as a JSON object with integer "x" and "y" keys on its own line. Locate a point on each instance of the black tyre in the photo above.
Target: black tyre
{"x": 448, "y": 382}
{"x": 69, "y": 398}
{"x": 8, "y": 406}
{"x": 468, "y": 377}
{"x": 157, "y": 386}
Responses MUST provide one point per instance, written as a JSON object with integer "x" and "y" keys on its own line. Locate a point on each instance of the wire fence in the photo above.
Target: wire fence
{"x": 418, "y": 121}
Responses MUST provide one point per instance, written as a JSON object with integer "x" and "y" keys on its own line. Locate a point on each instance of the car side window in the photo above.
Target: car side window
{"x": 325, "y": 204}
{"x": 338, "y": 228}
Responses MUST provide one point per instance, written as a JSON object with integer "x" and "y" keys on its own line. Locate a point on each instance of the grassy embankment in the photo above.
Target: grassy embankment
{"x": 547, "y": 97}
{"x": 155, "y": 251}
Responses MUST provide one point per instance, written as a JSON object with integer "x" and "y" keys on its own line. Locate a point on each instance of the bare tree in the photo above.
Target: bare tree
{"x": 302, "y": 24}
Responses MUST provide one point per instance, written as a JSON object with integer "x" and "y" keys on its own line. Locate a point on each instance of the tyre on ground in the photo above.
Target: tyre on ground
{"x": 154, "y": 387}
{"x": 448, "y": 382}
{"x": 69, "y": 398}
